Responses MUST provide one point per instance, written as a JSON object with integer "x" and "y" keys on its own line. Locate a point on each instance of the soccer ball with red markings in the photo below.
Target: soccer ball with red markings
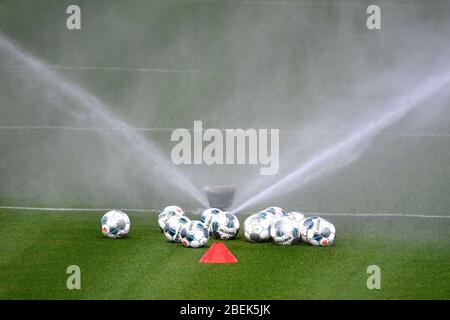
{"x": 318, "y": 232}
{"x": 115, "y": 224}
{"x": 194, "y": 234}
{"x": 167, "y": 213}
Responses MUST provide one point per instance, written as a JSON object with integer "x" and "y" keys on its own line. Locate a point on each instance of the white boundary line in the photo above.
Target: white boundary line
{"x": 155, "y": 70}
{"x": 378, "y": 215}
{"x": 397, "y": 134}
{"x": 290, "y": 2}
{"x": 307, "y": 213}
{"x": 105, "y": 68}
{"x": 82, "y": 128}
{"x": 75, "y": 209}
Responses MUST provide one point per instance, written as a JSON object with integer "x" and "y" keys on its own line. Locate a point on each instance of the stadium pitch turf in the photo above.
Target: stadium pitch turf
{"x": 37, "y": 247}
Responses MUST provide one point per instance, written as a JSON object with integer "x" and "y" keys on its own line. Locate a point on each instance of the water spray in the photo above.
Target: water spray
{"x": 147, "y": 153}
{"x": 349, "y": 149}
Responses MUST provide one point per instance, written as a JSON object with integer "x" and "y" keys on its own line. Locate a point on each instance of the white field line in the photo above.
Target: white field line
{"x": 290, "y": 3}
{"x": 82, "y": 128}
{"x": 307, "y": 213}
{"x": 378, "y": 215}
{"x": 75, "y": 209}
{"x": 154, "y": 70}
{"x": 110, "y": 68}
{"x": 302, "y": 132}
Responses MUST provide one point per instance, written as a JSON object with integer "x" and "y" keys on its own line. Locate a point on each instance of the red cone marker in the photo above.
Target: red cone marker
{"x": 218, "y": 253}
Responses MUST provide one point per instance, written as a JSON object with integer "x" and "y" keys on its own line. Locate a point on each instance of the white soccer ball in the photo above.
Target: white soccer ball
{"x": 277, "y": 211}
{"x": 285, "y": 231}
{"x": 321, "y": 233}
{"x": 257, "y": 228}
{"x": 167, "y": 213}
{"x": 115, "y": 224}
{"x": 307, "y": 224}
{"x": 173, "y": 227}
{"x": 297, "y": 217}
{"x": 224, "y": 226}
{"x": 208, "y": 214}
{"x": 194, "y": 234}
{"x": 271, "y": 217}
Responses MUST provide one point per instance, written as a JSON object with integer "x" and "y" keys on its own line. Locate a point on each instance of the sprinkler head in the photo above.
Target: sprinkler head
{"x": 220, "y": 197}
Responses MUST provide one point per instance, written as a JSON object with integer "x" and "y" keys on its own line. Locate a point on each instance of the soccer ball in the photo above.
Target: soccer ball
{"x": 115, "y": 224}
{"x": 257, "y": 228}
{"x": 173, "y": 227}
{"x": 321, "y": 233}
{"x": 285, "y": 231}
{"x": 194, "y": 234}
{"x": 224, "y": 226}
{"x": 277, "y": 211}
{"x": 307, "y": 224}
{"x": 207, "y": 216}
{"x": 167, "y": 213}
{"x": 297, "y": 217}
{"x": 268, "y": 215}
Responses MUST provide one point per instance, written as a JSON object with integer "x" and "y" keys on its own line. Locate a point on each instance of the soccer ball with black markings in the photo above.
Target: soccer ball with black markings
{"x": 285, "y": 231}
{"x": 115, "y": 224}
{"x": 208, "y": 214}
{"x": 173, "y": 227}
{"x": 297, "y": 217}
{"x": 257, "y": 228}
{"x": 224, "y": 226}
{"x": 167, "y": 213}
{"x": 277, "y": 211}
{"x": 306, "y": 225}
{"x": 320, "y": 232}
{"x": 194, "y": 234}
{"x": 271, "y": 217}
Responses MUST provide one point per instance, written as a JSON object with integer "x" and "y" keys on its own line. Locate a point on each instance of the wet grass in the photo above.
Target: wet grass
{"x": 37, "y": 248}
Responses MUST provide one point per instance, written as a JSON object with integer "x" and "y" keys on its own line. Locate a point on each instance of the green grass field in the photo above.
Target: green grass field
{"x": 309, "y": 68}
{"x": 37, "y": 247}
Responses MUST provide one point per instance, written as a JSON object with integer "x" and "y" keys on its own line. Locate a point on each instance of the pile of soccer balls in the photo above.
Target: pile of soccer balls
{"x": 284, "y": 228}
{"x": 195, "y": 233}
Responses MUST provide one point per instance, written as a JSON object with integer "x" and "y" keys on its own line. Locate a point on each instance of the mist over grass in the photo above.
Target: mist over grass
{"x": 313, "y": 70}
